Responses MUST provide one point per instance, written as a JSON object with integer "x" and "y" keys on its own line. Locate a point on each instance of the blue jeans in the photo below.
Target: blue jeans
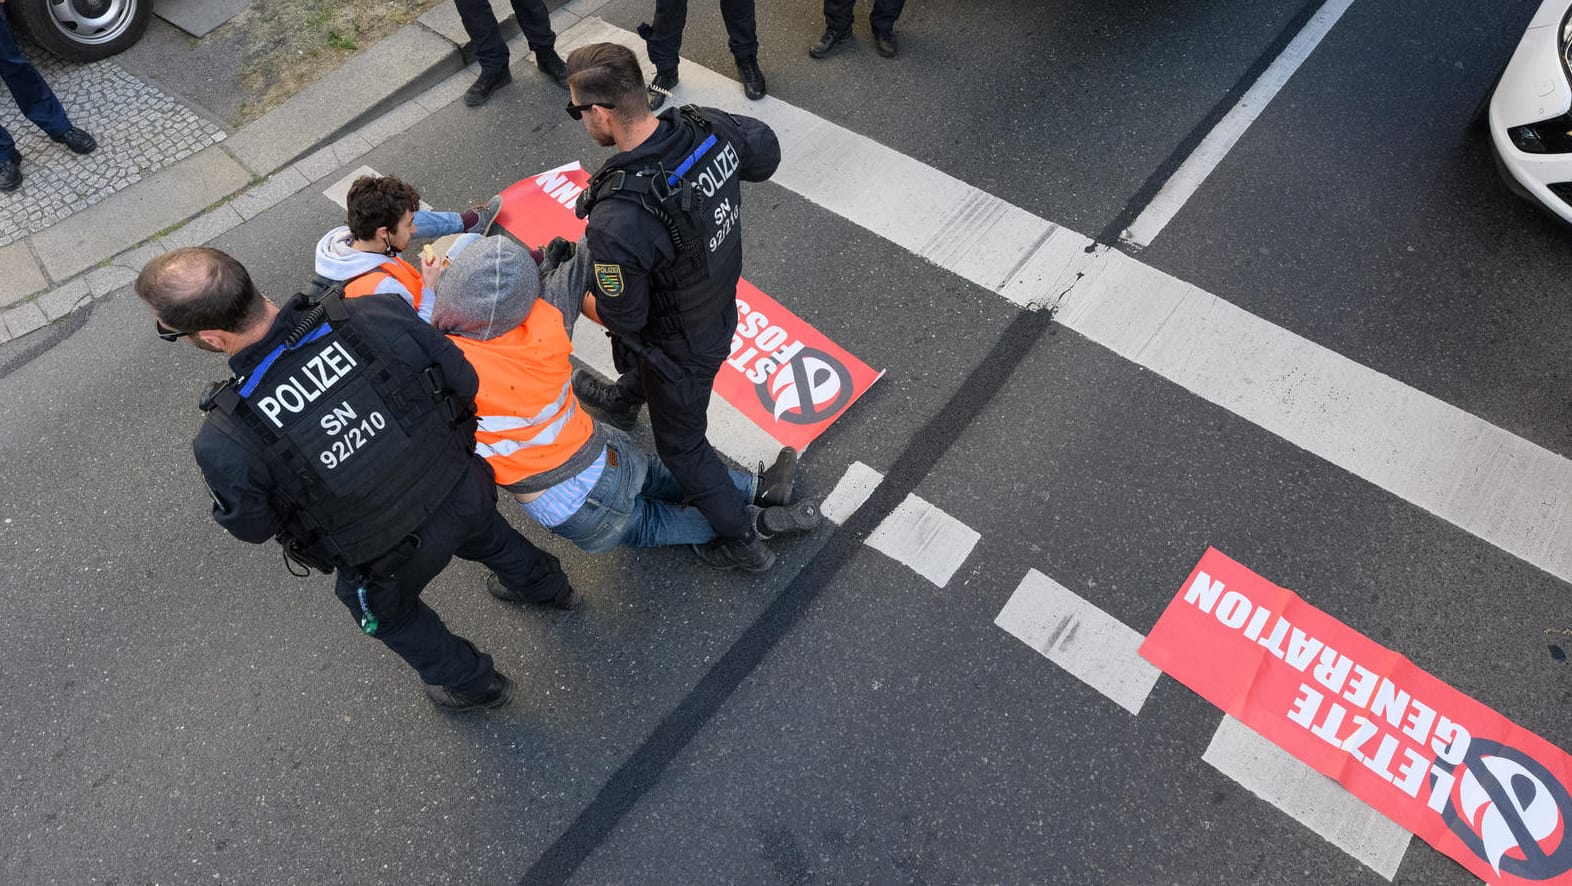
{"x": 638, "y": 503}
{"x": 33, "y": 96}
{"x": 430, "y": 224}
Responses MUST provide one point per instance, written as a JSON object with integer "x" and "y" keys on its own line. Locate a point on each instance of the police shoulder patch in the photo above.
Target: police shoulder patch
{"x": 608, "y": 279}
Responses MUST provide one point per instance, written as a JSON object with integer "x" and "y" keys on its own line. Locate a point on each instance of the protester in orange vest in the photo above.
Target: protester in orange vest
{"x": 384, "y": 215}
{"x": 582, "y": 480}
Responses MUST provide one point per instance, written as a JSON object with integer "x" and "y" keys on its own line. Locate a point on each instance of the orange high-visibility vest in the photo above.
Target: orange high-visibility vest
{"x": 530, "y": 420}
{"x": 405, "y": 273}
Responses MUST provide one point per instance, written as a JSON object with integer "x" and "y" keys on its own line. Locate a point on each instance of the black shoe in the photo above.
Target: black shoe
{"x": 551, "y": 64}
{"x": 484, "y": 85}
{"x": 496, "y": 694}
{"x": 78, "y": 141}
{"x": 800, "y": 517}
{"x": 555, "y": 253}
{"x": 776, "y": 481}
{"x": 10, "y": 174}
{"x": 752, "y": 78}
{"x": 661, "y": 87}
{"x": 831, "y": 39}
{"x": 733, "y": 553}
{"x": 608, "y": 400}
{"x": 884, "y": 41}
{"x": 485, "y": 216}
{"x": 548, "y": 586}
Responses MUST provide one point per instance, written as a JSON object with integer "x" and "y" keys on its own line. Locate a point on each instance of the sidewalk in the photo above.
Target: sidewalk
{"x": 99, "y": 249}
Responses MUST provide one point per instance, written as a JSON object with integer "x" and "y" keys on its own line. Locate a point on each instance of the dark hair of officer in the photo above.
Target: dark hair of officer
{"x": 608, "y": 73}
{"x": 379, "y": 202}
{"x": 200, "y": 288}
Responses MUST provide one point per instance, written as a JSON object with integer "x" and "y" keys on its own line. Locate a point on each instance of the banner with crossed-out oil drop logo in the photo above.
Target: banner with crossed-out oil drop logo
{"x": 1468, "y": 781}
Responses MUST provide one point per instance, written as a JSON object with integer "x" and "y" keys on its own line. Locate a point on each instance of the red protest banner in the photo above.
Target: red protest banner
{"x": 541, "y": 207}
{"x": 1460, "y": 776}
{"x": 785, "y": 375}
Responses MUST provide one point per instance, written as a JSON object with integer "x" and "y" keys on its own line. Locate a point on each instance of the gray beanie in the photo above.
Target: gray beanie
{"x": 488, "y": 289}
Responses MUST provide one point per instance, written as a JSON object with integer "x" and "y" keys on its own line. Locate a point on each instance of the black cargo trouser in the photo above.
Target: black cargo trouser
{"x": 485, "y": 34}
{"x": 679, "y": 416}
{"x": 838, "y": 14}
{"x": 465, "y": 525}
{"x": 664, "y": 38}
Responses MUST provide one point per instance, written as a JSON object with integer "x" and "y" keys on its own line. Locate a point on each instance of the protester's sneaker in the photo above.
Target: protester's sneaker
{"x": 777, "y": 481}
{"x": 608, "y": 400}
{"x": 752, "y": 78}
{"x": 660, "y": 88}
{"x": 484, "y": 85}
{"x": 800, "y": 517}
{"x": 10, "y": 174}
{"x": 485, "y": 216}
{"x": 78, "y": 141}
{"x": 496, "y": 694}
{"x": 548, "y": 586}
{"x": 551, "y": 64}
{"x": 733, "y": 553}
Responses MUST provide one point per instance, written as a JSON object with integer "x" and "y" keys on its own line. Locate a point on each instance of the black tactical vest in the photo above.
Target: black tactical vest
{"x": 361, "y": 447}
{"x": 697, "y": 197}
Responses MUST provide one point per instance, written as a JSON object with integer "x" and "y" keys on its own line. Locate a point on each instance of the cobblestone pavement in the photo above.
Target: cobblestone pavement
{"x": 139, "y": 129}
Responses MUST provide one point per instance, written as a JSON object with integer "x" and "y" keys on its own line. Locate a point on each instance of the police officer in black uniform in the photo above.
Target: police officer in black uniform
{"x": 665, "y": 238}
{"x": 348, "y": 434}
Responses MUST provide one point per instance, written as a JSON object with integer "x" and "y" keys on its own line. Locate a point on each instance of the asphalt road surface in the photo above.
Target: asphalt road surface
{"x": 177, "y": 709}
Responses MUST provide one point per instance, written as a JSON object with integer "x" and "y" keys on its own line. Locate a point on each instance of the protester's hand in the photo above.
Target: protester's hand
{"x": 431, "y": 267}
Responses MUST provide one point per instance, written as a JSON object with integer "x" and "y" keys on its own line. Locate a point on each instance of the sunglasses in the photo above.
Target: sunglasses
{"x": 577, "y": 111}
{"x": 165, "y": 333}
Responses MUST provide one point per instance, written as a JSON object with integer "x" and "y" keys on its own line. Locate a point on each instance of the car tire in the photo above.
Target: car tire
{"x": 82, "y": 30}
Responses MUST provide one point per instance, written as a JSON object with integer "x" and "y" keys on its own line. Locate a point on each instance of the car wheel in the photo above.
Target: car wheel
{"x": 82, "y": 30}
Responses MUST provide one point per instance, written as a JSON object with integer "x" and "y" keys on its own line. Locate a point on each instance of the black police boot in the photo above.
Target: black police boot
{"x": 777, "y": 480}
{"x": 78, "y": 141}
{"x": 734, "y": 553}
{"x": 660, "y": 87}
{"x": 11, "y": 173}
{"x": 884, "y": 42}
{"x": 831, "y": 39}
{"x": 548, "y": 586}
{"x": 487, "y": 83}
{"x": 752, "y": 78}
{"x": 496, "y": 694}
{"x": 608, "y": 400}
{"x": 800, "y": 517}
{"x": 551, "y": 64}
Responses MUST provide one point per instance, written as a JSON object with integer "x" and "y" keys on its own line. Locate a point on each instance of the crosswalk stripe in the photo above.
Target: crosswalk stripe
{"x": 925, "y": 539}
{"x": 338, "y": 192}
{"x": 1187, "y": 179}
{"x": 850, "y": 492}
{"x": 1493, "y": 484}
{"x": 1088, "y": 643}
{"x": 1312, "y": 799}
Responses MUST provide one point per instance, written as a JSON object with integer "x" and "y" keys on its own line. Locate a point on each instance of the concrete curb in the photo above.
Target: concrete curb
{"x": 374, "y": 96}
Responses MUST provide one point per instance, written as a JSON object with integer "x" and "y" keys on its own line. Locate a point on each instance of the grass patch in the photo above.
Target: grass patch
{"x": 290, "y": 44}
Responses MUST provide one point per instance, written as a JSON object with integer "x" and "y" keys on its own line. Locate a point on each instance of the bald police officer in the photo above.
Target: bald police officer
{"x": 348, "y": 434}
{"x": 665, "y": 237}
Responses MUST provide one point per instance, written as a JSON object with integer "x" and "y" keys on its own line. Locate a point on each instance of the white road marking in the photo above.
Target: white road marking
{"x": 1187, "y": 179}
{"x": 850, "y": 492}
{"x": 1093, "y": 646}
{"x": 1312, "y": 799}
{"x": 1503, "y": 489}
{"x": 926, "y": 539}
{"x": 338, "y": 192}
